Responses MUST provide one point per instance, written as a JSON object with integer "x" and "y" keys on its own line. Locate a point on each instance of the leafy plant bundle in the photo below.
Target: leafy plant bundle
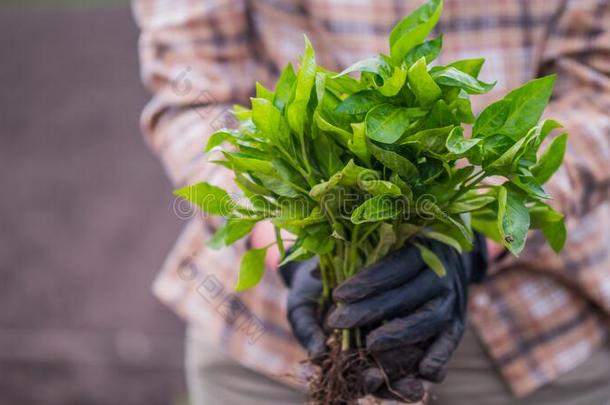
{"x": 354, "y": 168}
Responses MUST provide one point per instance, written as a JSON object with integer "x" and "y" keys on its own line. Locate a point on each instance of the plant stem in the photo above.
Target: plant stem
{"x": 324, "y": 274}
{"x": 280, "y": 242}
{"x": 467, "y": 185}
{"x": 304, "y": 155}
{"x": 345, "y": 339}
{"x": 368, "y": 232}
{"x": 298, "y": 188}
{"x": 293, "y": 162}
{"x": 353, "y": 251}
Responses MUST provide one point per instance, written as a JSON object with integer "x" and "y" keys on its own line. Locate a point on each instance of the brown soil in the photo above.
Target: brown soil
{"x": 340, "y": 378}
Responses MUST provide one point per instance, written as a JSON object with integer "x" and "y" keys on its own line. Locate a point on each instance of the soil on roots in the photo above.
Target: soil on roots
{"x": 339, "y": 379}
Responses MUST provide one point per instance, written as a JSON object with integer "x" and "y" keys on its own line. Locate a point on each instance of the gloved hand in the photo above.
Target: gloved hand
{"x": 425, "y": 313}
{"x": 422, "y": 310}
{"x": 304, "y": 310}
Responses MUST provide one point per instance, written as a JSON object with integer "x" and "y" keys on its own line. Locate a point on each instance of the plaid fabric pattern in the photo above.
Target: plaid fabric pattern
{"x": 538, "y": 315}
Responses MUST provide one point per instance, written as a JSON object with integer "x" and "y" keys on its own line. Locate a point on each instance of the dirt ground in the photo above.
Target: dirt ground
{"x": 85, "y": 217}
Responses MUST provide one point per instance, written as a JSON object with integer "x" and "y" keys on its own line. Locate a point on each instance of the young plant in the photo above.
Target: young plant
{"x": 355, "y": 167}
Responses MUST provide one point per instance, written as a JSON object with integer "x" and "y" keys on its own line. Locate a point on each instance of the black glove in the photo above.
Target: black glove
{"x": 419, "y": 307}
{"x": 304, "y": 309}
{"x": 426, "y": 313}
{"x": 306, "y": 316}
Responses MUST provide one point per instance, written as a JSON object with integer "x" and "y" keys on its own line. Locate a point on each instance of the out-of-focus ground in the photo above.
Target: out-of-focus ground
{"x": 85, "y": 217}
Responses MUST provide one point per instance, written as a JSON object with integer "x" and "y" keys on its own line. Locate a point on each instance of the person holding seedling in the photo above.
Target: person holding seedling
{"x": 376, "y": 220}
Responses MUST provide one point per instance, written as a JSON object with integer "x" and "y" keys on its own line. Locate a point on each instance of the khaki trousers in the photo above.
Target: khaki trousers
{"x": 215, "y": 379}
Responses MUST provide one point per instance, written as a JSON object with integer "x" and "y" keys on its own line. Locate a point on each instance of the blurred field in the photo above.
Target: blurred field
{"x": 64, "y": 3}
{"x": 85, "y": 215}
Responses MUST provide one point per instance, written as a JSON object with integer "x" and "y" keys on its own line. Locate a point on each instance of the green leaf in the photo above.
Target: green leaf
{"x": 376, "y": 64}
{"x": 231, "y": 231}
{"x": 542, "y": 215}
{"x": 491, "y": 148}
{"x": 440, "y": 116}
{"x": 452, "y": 77}
{"x": 513, "y": 219}
{"x": 413, "y": 29}
{"x": 517, "y": 112}
{"x": 546, "y": 127}
{"x": 244, "y": 163}
{"x": 352, "y": 174}
{"x": 487, "y": 224}
{"x": 469, "y": 66}
{"x": 556, "y": 234}
{"x": 538, "y": 134}
{"x": 320, "y": 189}
{"x": 492, "y": 119}
{"x": 380, "y": 187}
{"x": 463, "y": 109}
{"x": 246, "y": 185}
{"x": 393, "y": 161}
{"x": 262, "y": 92}
{"x": 423, "y": 85}
{"x": 339, "y": 134}
{"x": 211, "y": 199}
{"x": 386, "y": 123}
{"x": 297, "y": 255}
{"x": 315, "y": 217}
{"x": 393, "y": 83}
{"x": 471, "y": 203}
{"x": 219, "y": 137}
{"x": 443, "y": 238}
{"x": 432, "y": 260}
{"x": 429, "y": 50}
{"x": 278, "y": 185}
{"x": 341, "y": 84}
{"x": 241, "y": 113}
{"x": 357, "y": 145}
{"x": 402, "y": 185}
{"x": 297, "y": 109}
{"x": 251, "y": 269}
{"x": 284, "y": 87}
{"x": 551, "y": 159}
{"x": 404, "y": 231}
{"x": 269, "y": 120}
{"x": 456, "y": 143}
{"x": 463, "y": 229}
{"x": 320, "y": 243}
{"x": 430, "y": 140}
{"x": 465, "y": 241}
{"x": 361, "y": 102}
{"x": 378, "y": 208}
{"x": 327, "y": 154}
{"x": 287, "y": 172}
{"x": 387, "y": 238}
{"x": 530, "y": 185}
{"x": 505, "y": 164}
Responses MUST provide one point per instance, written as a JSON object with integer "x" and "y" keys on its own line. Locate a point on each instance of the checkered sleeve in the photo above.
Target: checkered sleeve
{"x": 197, "y": 60}
{"x": 578, "y": 50}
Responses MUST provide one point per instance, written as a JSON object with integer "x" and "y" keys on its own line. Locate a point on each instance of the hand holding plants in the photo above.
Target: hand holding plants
{"x": 411, "y": 319}
{"x": 356, "y": 168}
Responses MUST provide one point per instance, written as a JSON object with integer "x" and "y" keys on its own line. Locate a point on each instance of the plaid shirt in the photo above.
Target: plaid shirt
{"x": 539, "y": 315}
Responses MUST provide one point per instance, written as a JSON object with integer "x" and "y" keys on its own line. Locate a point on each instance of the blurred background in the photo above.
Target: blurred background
{"x": 86, "y": 214}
